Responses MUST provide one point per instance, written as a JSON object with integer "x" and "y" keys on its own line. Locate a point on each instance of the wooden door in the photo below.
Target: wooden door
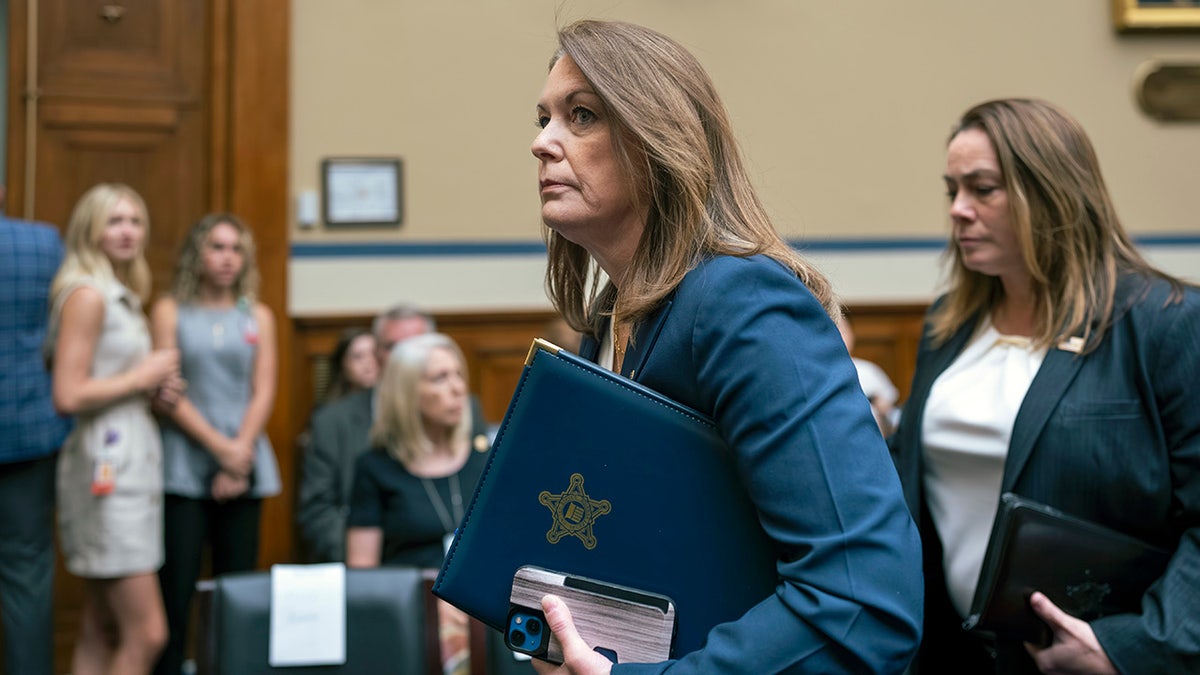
{"x": 185, "y": 101}
{"x": 120, "y": 96}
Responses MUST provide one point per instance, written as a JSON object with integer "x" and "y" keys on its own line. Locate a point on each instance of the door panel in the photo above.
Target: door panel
{"x": 121, "y": 99}
{"x": 133, "y": 49}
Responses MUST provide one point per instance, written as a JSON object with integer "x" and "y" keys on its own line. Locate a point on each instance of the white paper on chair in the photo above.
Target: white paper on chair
{"x": 308, "y": 615}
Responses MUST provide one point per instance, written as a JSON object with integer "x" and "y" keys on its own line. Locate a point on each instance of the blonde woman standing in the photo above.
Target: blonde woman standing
{"x": 110, "y": 472}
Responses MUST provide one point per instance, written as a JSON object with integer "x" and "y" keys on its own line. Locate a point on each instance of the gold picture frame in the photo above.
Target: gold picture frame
{"x": 1156, "y": 15}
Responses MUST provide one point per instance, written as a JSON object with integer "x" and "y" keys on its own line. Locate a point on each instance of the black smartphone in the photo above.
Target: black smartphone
{"x": 624, "y": 624}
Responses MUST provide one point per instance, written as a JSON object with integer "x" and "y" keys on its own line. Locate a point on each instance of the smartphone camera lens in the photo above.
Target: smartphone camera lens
{"x": 516, "y": 638}
{"x": 533, "y": 626}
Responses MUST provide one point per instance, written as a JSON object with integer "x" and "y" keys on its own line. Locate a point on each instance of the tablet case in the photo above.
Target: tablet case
{"x": 1087, "y": 569}
{"x": 595, "y": 475}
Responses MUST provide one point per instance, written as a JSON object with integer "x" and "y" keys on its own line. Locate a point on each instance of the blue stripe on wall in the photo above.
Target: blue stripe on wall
{"x": 392, "y": 249}
{"x": 389, "y": 249}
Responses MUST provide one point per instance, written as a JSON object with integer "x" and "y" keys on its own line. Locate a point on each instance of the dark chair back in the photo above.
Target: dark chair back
{"x": 386, "y": 628}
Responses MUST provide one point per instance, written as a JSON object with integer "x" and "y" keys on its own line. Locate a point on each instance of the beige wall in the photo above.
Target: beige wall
{"x": 842, "y": 107}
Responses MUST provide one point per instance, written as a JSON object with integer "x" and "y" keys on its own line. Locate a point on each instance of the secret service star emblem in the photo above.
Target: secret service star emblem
{"x": 574, "y": 513}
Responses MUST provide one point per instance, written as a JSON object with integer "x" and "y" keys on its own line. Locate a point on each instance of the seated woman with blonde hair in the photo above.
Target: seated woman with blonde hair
{"x": 427, "y": 453}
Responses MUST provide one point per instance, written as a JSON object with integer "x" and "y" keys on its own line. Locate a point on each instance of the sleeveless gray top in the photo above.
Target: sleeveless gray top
{"x": 217, "y": 347}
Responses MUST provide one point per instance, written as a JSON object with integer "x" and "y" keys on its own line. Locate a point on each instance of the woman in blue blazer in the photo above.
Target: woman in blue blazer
{"x": 1060, "y": 366}
{"x": 640, "y": 178}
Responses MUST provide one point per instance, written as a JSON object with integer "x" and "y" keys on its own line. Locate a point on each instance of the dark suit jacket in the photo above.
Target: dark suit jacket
{"x": 1114, "y": 437}
{"x": 30, "y": 254}
{"x": 337, "y": 436}
{"x": 744, "y": 341}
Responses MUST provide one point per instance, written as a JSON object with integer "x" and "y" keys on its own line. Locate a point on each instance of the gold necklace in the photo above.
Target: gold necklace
{"x": 617, "y": 340}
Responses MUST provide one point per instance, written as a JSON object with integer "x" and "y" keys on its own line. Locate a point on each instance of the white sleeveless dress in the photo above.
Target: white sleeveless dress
{"x": 118, "y": 534}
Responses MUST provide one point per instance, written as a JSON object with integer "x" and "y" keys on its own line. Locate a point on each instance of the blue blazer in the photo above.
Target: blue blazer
{"x": 30, "y": 254}
{"x": 1114, "y": 437}
{"x": 744, "y": 341}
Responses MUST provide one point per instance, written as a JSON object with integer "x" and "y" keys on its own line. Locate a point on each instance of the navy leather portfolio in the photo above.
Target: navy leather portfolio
{"x": 595, "y": 475}
{"x": 1085, "y": 568}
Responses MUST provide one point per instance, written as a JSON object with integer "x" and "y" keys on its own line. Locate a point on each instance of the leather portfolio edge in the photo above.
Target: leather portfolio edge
{"x": 997, "y": 552}
{"x": 539, "y": 344}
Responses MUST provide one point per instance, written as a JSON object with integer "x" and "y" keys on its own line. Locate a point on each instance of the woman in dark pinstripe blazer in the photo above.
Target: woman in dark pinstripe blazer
{"x": 1060, "y": 366}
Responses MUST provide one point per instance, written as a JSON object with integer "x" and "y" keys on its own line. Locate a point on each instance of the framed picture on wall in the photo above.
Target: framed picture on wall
{"x": 1144, "y": 15}
{"x": 362, "y": 191}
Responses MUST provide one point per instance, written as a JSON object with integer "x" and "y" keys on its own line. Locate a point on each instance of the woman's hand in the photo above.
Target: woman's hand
{"x": 236, "y": 456}
{"x": 578, "y": 657}
{"x": 168, "y": 394}
{"x": 226, "y": 486}
{"x": 1075, "y": 648}
{"x": 158, "y": 367}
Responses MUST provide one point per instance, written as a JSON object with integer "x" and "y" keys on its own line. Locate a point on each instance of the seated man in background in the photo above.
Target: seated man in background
{"x": 337, "y": 436}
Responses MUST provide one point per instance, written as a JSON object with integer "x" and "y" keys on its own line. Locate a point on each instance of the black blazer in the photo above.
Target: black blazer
{"x": 1114, "y": 437}
{"x": 337, "y": 436}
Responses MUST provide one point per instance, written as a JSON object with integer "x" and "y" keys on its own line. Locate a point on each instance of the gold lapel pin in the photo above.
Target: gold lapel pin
{"x": 1072, "y": 344}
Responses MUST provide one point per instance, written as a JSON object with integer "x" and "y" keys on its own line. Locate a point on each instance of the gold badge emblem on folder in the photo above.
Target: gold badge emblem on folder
{"x": 574, "y": 513}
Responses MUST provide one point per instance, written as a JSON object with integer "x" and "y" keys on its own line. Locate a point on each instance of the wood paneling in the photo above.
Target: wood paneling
{"x": 251, "y": 168}
{"x": 889, "y": 336}
{"x": 116, "y": 100}
{"x": 495, "y": 345}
